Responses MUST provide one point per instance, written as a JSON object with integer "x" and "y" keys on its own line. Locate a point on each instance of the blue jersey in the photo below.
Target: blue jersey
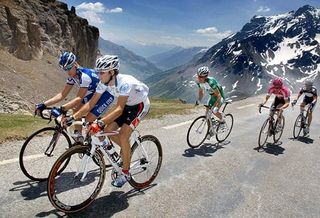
{"x": 86, "y": 78}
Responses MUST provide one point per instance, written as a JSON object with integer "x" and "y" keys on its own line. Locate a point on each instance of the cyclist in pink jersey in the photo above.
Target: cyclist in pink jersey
{"x": 282, "y": 98}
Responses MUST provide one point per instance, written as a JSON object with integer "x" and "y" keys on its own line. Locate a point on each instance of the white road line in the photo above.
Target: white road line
{"x": 178, "y": 124}
{"x": 14, "y": 160}
{"x": 249, "y": 105}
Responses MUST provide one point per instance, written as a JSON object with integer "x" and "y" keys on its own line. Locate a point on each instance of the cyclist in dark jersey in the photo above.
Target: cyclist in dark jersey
{"x": 310, "y": 99}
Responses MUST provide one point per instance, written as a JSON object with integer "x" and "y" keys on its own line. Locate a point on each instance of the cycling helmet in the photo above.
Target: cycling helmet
{"x": 203, "y": 71}
{"x": 308, "y": 84}
{"x": 277, "y": 82}
{"x": 107, "y": 63}
{"x": 67, "y": 60}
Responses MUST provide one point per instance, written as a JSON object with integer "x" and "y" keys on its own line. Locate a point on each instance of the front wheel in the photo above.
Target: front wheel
{"x": 224, "y": 129}
{"x": 297, "y": 127}
{"x": 264, "y": 133}
{"x": 197, "y": 132}
{"x": 146, "y": 159}
{"x": 41, "y": 150}
{"x": 76, "y": 187}
{"x": 278, "y": 130}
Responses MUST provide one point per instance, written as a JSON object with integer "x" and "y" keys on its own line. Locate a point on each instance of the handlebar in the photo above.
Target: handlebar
{"x": 46, "y": 115}
{"x": 262, "y": 106}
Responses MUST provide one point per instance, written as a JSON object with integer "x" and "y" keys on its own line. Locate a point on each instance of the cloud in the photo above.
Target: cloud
{"x": 263, "y": 9}
{"x": 93, "y": 11}
{"x": 115, "y": 10}
{"x": 97, "y": 7}
{"x": 213, "y": 33}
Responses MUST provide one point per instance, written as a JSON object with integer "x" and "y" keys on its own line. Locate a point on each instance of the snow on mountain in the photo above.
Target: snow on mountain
{"x": 285, "y": 45}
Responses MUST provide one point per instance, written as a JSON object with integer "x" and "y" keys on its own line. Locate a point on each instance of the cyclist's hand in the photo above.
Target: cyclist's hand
{"x": 294, "y": 102}
{"x": 197, "y": 103}
{"x": 39, "y": 108}
{"x": 67, "y": 121}
{"x": 57, "y": 111}
{"x": 97, "y": 126}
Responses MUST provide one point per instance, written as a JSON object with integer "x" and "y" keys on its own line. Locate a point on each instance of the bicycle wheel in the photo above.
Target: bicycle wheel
{"x": 67, "y": 191}
{"x": 297, "y": 127}
{"x": 264, "y": 133}
{"x": 146, "y": 159}
{"x": 224, "y": 130}
{"x": 197, "y": 132}
{"x": 278, "y": 132}
{"x": 40, "y": 151}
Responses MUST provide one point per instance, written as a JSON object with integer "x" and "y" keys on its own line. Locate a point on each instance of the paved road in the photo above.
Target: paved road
{"x": 215, "y": 180}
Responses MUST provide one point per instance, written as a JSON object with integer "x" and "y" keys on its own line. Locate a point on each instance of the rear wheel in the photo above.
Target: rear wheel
{"x": 68, "y": 191}
{"x": 41, "y": 150}
{"x": 298, "y": 126}
{"x": 224, "y": 130}
{"x": 264, "y": 133}
{"x": 197, "y": 132}
{"x": 146, "y": 161}
{"x": 278, "y": 131}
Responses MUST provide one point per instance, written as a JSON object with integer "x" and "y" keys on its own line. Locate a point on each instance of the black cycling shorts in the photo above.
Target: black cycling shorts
{"x": 129, "y": 114}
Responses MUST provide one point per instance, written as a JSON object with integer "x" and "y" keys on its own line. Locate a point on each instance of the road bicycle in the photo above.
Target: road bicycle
{"x": 300, "y": 123}
{"x": 38, "y": 154}
{"x": 270, "y": 127}
{"x": 207, "y": 124}
{"x": 80, "y": 182}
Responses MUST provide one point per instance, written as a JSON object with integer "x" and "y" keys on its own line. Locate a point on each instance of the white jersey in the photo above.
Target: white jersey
{"x": 126, "y": 85}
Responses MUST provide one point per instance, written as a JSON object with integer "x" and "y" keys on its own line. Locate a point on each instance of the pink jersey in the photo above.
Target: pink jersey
{"x": 283, "y": 92}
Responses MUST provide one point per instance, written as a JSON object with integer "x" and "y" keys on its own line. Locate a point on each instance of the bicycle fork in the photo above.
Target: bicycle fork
{"x": 52, "y": 143}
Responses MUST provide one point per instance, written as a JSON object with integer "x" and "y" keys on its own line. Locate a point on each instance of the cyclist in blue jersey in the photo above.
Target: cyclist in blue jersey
{"x": 87, "y": 80}
{"x": 310, "y": 98}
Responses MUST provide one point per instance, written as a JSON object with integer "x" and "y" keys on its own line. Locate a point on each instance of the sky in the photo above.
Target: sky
{"x": 183, "y": 23}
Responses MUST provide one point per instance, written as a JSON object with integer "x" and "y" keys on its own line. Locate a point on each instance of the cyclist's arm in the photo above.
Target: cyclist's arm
{"x": 266, "y": 99}
{"x": 60, "y": 96}
{"x": 88, "y": 106}
{"x": 76, "y": 101}
{"x": 117, "y": 111}
{"x": 201, "y": 93}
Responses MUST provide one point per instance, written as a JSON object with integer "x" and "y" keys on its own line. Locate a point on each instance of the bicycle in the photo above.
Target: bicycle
{"x": 35, "y": 155}
{"x": 76, "y": 187}
{"x": 300, "y": 123}
{"x": 270, "y": 127}
{"x": 199, "y": 128}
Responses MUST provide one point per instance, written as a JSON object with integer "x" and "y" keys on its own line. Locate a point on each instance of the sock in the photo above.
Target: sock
{"x": 125, "y": 171}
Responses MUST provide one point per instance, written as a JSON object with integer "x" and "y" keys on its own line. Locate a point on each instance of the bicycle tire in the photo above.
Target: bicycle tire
{"x": 60, "y": 198}
{"x": 263, "y": 130}
{"x": 277, "y": 135}
{"x": 203, "y": 121}
{"x": 229, "y": 128}
{"x": 297, "y": 128}
{"x": 143, "y": 175}
{"x": 35, "y": 170}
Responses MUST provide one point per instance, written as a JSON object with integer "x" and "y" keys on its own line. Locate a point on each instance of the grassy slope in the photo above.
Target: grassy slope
{"x": 14, "y": 127}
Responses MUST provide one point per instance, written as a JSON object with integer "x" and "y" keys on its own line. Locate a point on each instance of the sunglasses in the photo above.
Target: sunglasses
{"x": 67, "y": 68}
{"x": 202, "y": 76}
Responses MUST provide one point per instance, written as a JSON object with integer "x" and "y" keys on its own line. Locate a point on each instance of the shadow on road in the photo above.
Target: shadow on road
{"x": 105, "y": 206}
{"x": 271, "y": 148}
{"x": 303, "y": 139}
{"x": 29, "y": 189}
{"x": 205, "y": 150}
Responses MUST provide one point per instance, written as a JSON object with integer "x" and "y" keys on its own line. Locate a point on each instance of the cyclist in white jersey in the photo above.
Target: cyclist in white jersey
{"x": 131, "y": 107}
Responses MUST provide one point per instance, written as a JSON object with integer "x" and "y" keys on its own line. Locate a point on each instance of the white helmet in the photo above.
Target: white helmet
{"x": 308, "y": 83}
{"x": 107, "y": 63}
{"x": 203, "y": 71}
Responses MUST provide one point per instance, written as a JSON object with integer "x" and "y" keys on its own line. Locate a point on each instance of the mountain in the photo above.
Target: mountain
{"x": 143, "y": 49}
{"x": 30, "y": 28}
{"x": 130, "y": 63}
{"x": 32, "y": 33}
{"x": 285, "y": 45}
{"x": 176, "y": 57}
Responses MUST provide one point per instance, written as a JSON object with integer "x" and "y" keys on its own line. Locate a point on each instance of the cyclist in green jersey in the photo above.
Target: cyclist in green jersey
{"x": 215, "y": 90}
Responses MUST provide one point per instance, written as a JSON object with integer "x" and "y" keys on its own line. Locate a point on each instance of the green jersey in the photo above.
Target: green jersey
{"x": 210, "y": 85}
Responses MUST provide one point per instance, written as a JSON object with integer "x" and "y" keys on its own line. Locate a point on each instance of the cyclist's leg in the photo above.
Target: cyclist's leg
{"x": 212, "y": 102}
